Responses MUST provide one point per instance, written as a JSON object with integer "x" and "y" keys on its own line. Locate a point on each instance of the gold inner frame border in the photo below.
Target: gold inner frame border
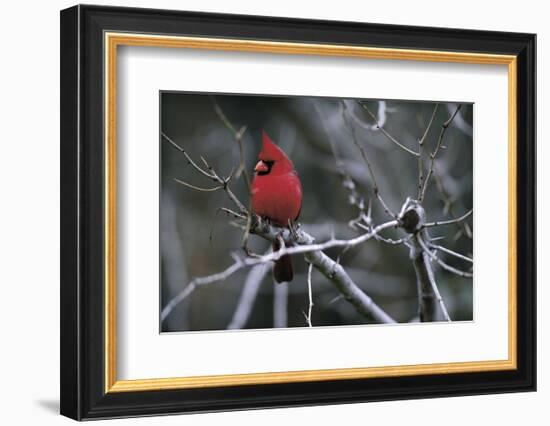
{"x": 111, "y": 42}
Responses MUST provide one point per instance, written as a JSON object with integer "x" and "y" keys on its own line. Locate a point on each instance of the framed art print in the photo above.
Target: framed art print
{"x": 262, "y": 212}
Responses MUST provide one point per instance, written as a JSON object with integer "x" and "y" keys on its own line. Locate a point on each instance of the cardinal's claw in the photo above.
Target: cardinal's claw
{"x": 281, "y": 239}
{"x": 293, "y": 229}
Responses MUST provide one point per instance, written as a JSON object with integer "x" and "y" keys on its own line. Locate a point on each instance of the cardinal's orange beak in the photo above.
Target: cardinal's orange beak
{"x": 261, "y": 167}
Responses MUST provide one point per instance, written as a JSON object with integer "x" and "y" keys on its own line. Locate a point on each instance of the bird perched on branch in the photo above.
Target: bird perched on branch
{"x": 276, "y": 196}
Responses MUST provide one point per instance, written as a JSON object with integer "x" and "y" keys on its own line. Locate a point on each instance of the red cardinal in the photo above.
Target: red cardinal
{"x": 276, "y": 196}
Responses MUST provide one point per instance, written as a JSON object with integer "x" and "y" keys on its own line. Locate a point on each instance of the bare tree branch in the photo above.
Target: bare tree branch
{"x": 453, "y": 269}
{"x": 385, "y": 133}
{"x": 232, "y": 213}
{"x": 428, "y": 293}
{"x": 452, "y": 253}
{"x": 306, "y": 242}
{"x": 429, "y": 126}
{"x": 345, "y": 285}
{"x": 433, "y": 156}
{"x": 448, "y": 206}
{"x": 379, "y": 121}
{"x": 238, "y": 136}
{"x": 444, "y": 265}
{"x": 460, "y": 123}
{"x": 435, "y": 290}
{"x": 403, "y": 240}
{"x": 411, "y": 217}
{"x": 211, "y": 174}
{"x": 427, "y": 308}
{"x": 310, "y": 294}
{"x": 248, "y": 296}
{"x": 421, "y": 152}
{"x": 375, "y": 188}
{"x": 193, "y": 284}
{"x": 449, "y": 222}
{"x": 313, "y": 252}
{"x": 197, "y": 188}
{"x": 354, "y": 198}
{"x": 189, "y": 159}
{"x": 428, "y": 255}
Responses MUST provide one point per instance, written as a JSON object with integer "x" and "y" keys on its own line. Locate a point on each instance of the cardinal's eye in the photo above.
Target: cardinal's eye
{"x": 266, "y": 167}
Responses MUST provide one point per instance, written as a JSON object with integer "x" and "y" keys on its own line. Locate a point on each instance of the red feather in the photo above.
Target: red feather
{"x": 276, "y": 194}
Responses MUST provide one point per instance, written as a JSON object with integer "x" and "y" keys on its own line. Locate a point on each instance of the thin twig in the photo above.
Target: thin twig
{"x": 391, "y": 241}
{"x": 189, "y": 159}
{"x": 232, "y": 213}
{"x": 454, "y": 270}
{"x": 197, "y": 188}
{"x": 385, "y": 133}
{"x": 354, "y": 198}
{"x": 182, "y": 295}
{"x": 375, "y": 188}
{"x": 444, "y": 128}
{"x": 241, "y": 170}
{"x": 448, "y": 206}
{"x": 428, "y": 127}
{"x": 441, "y": 263}
{"x": 452, "y": 253}
{"x": 211, "y": 174}
{"x": 421, "y": 152}
{"x": 238, "y": 136}
{"x": 461, "y": 124}
{"x": 380, "y": 119}
{"x": 448, "y": 222}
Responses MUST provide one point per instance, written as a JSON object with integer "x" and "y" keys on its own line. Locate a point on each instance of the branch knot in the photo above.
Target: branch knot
{"x": 412, "y": 216}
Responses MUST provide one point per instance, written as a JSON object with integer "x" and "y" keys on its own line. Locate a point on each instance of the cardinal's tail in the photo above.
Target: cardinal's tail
{"x": 282, "y": 270}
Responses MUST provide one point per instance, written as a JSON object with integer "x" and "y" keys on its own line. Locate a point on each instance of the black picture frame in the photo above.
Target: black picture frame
{"x": 82, "y": 317}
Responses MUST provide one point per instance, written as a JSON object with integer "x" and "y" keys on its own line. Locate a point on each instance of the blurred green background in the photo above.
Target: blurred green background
{"x": 195, "y": 240}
